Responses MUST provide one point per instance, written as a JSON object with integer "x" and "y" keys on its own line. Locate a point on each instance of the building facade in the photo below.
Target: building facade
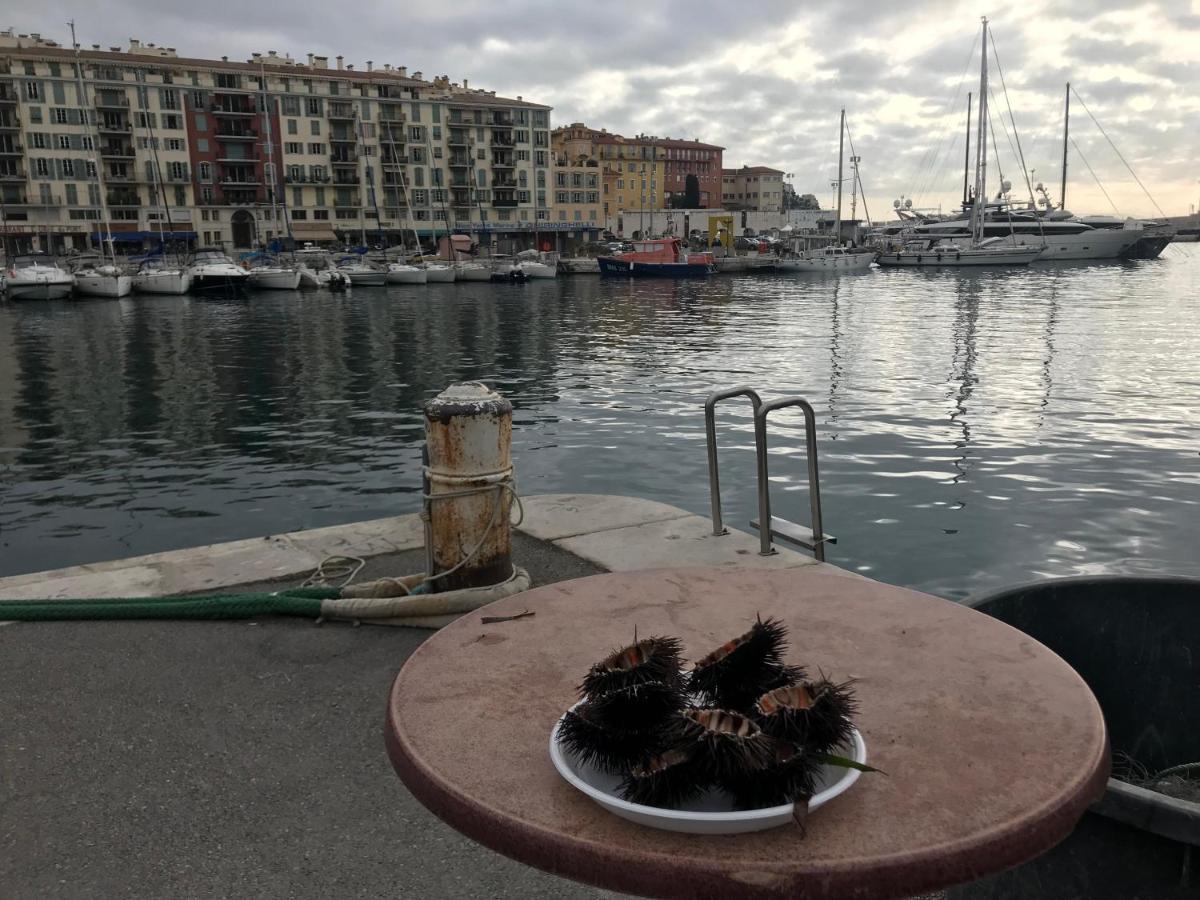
{"x": 642, "y": 175}
{"x": 215, "y": 150}
{"x": 753, "y": 188}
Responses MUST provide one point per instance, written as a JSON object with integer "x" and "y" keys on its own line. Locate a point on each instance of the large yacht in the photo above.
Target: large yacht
{"x": 37, "y": 276}
{"x": 214, "y": 272}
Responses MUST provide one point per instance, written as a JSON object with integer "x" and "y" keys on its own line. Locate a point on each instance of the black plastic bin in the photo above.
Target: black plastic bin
{"x": 1136, "y": 641}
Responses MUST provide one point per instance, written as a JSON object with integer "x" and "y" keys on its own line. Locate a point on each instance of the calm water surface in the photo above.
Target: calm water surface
{"x": 975, "y": 428}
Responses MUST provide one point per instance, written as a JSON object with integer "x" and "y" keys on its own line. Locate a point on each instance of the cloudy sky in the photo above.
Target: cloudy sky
{"x": 766, "y": 80}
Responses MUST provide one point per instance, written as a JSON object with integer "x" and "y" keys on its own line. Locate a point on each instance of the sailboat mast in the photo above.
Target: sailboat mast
{"x": 977, "y": 213}
{"x": 95, "y": 137}
{"x": 967, "y": 152}
{"x": 1066, "y": 136}
{"x": 837, "y": 228}
{"x": 156, "y": 172}
{"x": 269, "y": 164}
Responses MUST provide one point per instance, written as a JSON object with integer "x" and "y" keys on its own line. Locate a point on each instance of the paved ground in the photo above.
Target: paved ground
{"x": 226, "y": 759}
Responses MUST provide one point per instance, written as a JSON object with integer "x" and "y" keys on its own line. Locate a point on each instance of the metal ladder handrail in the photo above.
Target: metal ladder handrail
{"x": 710, "y": 429}
{"x": 819, "y": 538}
{"x": 813, "y": 539}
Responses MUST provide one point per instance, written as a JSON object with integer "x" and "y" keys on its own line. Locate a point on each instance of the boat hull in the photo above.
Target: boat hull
{"x": 1148, "y": 246}
{"x": 282, "y": 280}
{"x": 612, "y": 267}
{"x": 162, "y": 283}
{"x": 578, "y": 266}
{"x": 40, "y": 289}
{"x": 366, "y": 279}
{"x": 851, "y": 262}
{"x": 439, "y": 275}
{"x": 1020, "y": 256}
{"x": 110, "y": 286}
{"x": 538, "y": 270}
{"x": 407, "y": 275}
{"x": 726, "y": 264}
{"x": 473, "y": 273}
{"x": 219, "y": 283}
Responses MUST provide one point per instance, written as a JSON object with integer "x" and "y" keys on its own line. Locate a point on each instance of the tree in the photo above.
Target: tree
{"x": 807, "y": 201}
{"x": 691, "y": 192}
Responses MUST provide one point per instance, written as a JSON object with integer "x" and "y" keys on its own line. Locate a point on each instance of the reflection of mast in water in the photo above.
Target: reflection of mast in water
{"x": 1047, "y": 381}
{"x": 835, "y": 360}
{"x": 962, "y": 374}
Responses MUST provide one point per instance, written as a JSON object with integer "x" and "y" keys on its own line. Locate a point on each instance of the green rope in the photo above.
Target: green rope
{"x": 295, "y": 602}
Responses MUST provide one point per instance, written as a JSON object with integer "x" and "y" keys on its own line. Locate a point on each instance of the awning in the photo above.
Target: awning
{"x": 136, "y": 237}
{"x": 313, "y": 231}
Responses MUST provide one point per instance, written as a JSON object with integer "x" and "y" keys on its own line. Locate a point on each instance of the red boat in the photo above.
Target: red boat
{"x": 657, "y": 258}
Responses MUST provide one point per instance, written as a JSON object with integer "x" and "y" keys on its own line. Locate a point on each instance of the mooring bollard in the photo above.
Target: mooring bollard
{"x": 469, "y": 479}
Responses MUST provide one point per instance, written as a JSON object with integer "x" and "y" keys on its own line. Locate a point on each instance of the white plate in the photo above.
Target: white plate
{"x": 711, "y": 812}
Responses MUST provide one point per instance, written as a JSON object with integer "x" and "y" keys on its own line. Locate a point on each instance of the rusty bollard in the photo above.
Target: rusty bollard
{"x": 468, "y": 472}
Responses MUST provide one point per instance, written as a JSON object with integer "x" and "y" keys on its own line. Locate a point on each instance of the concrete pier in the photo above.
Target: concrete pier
{"x": 155, "y": 759}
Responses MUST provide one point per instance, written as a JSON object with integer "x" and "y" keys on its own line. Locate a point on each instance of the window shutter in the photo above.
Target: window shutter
{"x": 150, "y": 172}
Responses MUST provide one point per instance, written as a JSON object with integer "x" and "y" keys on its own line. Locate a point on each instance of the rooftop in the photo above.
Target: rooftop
{"x": 752, "y": 170}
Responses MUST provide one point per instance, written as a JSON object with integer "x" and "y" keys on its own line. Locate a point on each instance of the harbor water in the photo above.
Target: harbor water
{"x": 975, "y": 428}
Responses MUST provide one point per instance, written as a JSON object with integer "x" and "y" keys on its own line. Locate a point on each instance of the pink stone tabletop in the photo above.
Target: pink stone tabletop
{"x": 993, "y": 746}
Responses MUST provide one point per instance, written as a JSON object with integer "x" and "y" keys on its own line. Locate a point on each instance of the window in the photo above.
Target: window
{"x": 180, "y": 196}
{"x": 68, "y": 167}
{"x": 299, "y": 214}
{"x": 204, "y": 215}
{"x": 295, "y": 173}
{"x": 539, "y": 158}
{"x": 87, "y": 143}
{"x": 41, "y": 167}
{"x": 321, "y": 214}
{"x": 35, "y": 114}
{"x": 315, "y": 126}
{"x": 289, "y": 106}
{"x": 562, "y": 215}
{"x": 521, "y": 136}
{"x": 421, "y": 198}
{"x": 60, "y": 116}
{"x": 29, "y": 69}
{"x": 481, "y": 154}
{"x": 316, "y": 149}
{"x": 201, "y": 145}
{"x": 177, "y": 171}
{"x": 293, "y": 147}
{"x": 297, "y": 196}
{"x": 523, "y": 155}
{"x": 320, "y": 196}
{"x": 89, "y": 169}
{"x": 171, "y": 121}
{"x": 578, "y": 215}
{"x": 64, "y": 142}
{"x": 228, "y": 80}
{"x": 39, "y": 140}
{"x": 416, "y": 133}
{"x": 201, "y": 122}
{"x": 206, "y": 194}
{"x": 31, "y": 90}
{"x": 205, "y": 170}
{"x": 216, "y": 215}
{"x": 292, "y": 127}
{"x": 197, "y": 96}
{"x": 145, "y": 120}
{"x": 313, "y": 105}
{"x": 175, "y": 144}
{"x": 522, "y": 196}
{"x": 168, "y": 98}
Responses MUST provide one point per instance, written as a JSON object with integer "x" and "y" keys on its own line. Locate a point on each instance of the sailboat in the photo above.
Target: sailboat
{"x": 156, "y": 274}
{"x": 95, "y": 276}
{"x": 835, "y": 258}
{"x": 272, "y": 274}
{"x": 975, "y": 248}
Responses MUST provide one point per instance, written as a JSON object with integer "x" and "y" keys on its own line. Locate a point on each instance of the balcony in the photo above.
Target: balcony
{"x": 458, "y": 139}
{"x": 500, "y": 120}
{"x": 231, "y": 108}
{"x": 345, "y": 180}
{"x": 237, "y": 160}
{"x": 21, "y": 199}
{"x": 344, "y": 159}
{"x": 236, "y": 134}
{"x": 502, "y": 162}
{"x": 8, "y": 96}
{"x": 107, "y": 100}
{"x": 10, "y": 177}
{"x": 117, "y": 151}
{"x": 388, "y": 119}
{"x": 458, "y": 161}
{"x": 113, "y": 126}
{"x": 500, "y": 140}
{"x": 504, "y": 202}
{"x": 502, "y": 183}
{"x": 9, "y": 124}
{"x": 13, "y": 149}
{"x": 123, "y": 199}
{"x": 240, "y": 196}
{"x": 122, "y": 177}
{"x": 460, "y": 198}
{"x": 341, "y": 111}
{"x": 394, "y": 161}
{"x": 240, "y": 179}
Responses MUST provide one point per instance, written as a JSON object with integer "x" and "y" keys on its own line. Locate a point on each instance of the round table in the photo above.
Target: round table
{"x": 992, "y": 745}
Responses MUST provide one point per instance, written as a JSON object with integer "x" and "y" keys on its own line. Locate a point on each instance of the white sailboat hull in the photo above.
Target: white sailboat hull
{"x": 95, "y": 284}
{"x": 538, "y": 270}
{"x": 850, "y": 262}
{"x": 39, "y": 287}
{"x": 365, "y": 278}
{"x": 439, "y": 274}
{"x": 1016, "y": 256}
{"x": 473, "y": 272}
{"x": 398, "y": 274}
{"x": 165, "y": 282}
{"x": 275, "y": 279}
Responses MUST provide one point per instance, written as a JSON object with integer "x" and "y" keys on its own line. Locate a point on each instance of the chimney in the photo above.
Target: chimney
{"x": 94, "y": 46}
{"x": 370, "y": 66}
{"x": 310, "y": 59}
{"x": 135, "y": 44}
{"x": 402, "y": 71}
{"x": 111, "y": 49}
{"x": 256, "y": 57}
{"x": 224, "y": 59}
{"x": 271, "y": 53}
{"x": 519, "y": 98}
{"x": 350, "y": 67}
{"x": 339, "y": 62}
{"x": 466, "y": 85}
{"x": 416, "y": 76}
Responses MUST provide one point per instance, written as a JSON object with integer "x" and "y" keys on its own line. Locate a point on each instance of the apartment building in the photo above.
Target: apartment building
{"x": 641, "y": 175}
{"x": 215, "y": 150}
{"x": 753, "y": 188}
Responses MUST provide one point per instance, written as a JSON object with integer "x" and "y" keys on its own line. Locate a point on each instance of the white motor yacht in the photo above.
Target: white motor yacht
{"x": 309, "y": 278}
{"x": 828, "y": 259}
{"x": 156, "y": 276}
{"x": 96, "y": 278}
{"x": 213, "y": 272}
{"x": 399, "y": 273}
{"x": 275, "y": 277}
{"x": 438, "y": 272}
{"x": 362, "y": 273}
{"x": 37, "y": 276}
{"x": 1060, "y": 236}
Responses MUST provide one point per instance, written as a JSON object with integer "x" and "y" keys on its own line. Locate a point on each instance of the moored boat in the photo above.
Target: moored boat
{"x": 212, "y": 272}
{"x": 438, "y": 273}
{"x": 928, "y": 253}
{"x": 400, "y": 273}
{"x": 37, "y": 276}
{"x": 96, "y": 278}
{"x": 657, "y": 258}
{"x": 362, "y": 273}
{"x": 829, "y": 260}
{"x": 156, "y": 276}
{"x": 472, "y": 271}
{"x": 275, "y": 277}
